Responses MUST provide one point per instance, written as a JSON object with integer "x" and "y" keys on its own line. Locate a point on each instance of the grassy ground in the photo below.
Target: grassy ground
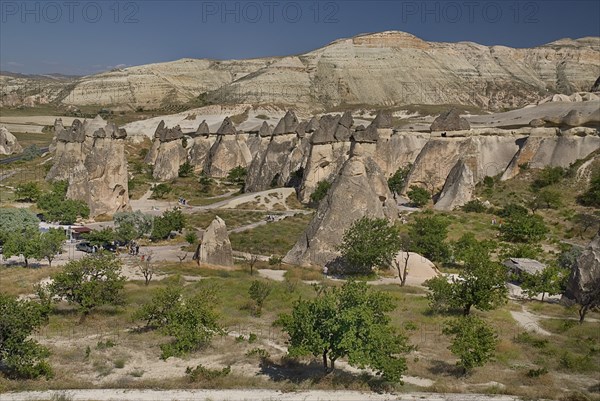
{"x": 275, "y": 238}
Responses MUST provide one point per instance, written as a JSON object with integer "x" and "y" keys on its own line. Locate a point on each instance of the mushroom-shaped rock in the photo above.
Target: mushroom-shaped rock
{"x": 75, "y": 134}
{"x": 227, "y": 127}
{"x": 368, "y": 135}
{"x": 326, "y": 131}
{"x": 216, "y": 248}
{"x": 370, "y": 196}
{"x": 287, "y": 124}
{"x": 203, "y": 129}
{"x": 8, "y": 143}
{"x": 450, "y": 121}
{"x": 171, "y": 134}
{"x": 383, "y": 120}
{"x": 301, "y": 129}
{"x": 342, "y": 133}
{"x": 458, "y": 188}
{"x": 346, "y": 120}
{"x": 312, "y": 126}
{"x": 265, "y": 130}
{"x": 91, "y": 126}
{"x": 160, "y": 129}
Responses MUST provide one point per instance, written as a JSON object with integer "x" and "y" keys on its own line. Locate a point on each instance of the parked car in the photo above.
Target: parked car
{"x": 86, "y": 247}
{"x": 109, "y": 247}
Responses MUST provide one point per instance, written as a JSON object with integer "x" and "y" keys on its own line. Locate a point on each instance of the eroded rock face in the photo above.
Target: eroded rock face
{"x": 227, "y": 127}
{"x": 450, "y": 121}
{"x": 539, "y": 151}
{"x": 216, "y": 248}
{"x": 167, "y": 153}
{"x": 266, "y": 168}
{"x": 370, "y": 196}
{"x": 8, "y": 143}
{"x": 586, "y": 271}
{"x": 95, "y": 166}
{"x": 227, "y": 153}
{"x": 458, "y": 188}
{"x": 383, "y": 120}
{"x": 287, "y": 124}
{"x": 199, "y": 149}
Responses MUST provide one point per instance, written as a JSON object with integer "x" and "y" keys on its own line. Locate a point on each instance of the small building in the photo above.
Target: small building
{"x": 517, "y": 266}
{"x": 78, "y": 231}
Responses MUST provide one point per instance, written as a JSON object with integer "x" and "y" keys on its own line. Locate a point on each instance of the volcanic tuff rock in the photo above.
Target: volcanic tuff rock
{"x": 287, "y": 124}
{"x": 8, "y": 143}
{"x": 203, "y": 129}
{"x": 586, "y": 271}
{"x": 361, "y": 177}
{"x": 94, "y": 164}
{"x": 227, "y": 153}
{"x": 383, "y": 120}
{"x": 167, "y": 153}
{"x": 387, "y": 68}
{"x": 216, "y": 248}
{"x": 450, "y": 121}
{"x": 539, "y": 151}
{"x": 458, "y": 188}
{"x": 227, "y": 127}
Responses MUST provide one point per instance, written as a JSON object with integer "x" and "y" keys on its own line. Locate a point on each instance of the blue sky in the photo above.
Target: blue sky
{"x": 83, "y": 37}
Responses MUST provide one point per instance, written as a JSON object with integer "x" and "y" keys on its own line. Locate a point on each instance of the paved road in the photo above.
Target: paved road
{"x": 19, "y": 157}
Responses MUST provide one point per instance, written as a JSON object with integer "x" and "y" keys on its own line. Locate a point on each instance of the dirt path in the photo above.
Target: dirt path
{"x": 529, "y": 322}
{"x": 243, "y": 395}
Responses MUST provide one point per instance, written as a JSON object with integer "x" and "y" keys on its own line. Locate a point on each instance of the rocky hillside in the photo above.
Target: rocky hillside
{"x": 381, "y": 69}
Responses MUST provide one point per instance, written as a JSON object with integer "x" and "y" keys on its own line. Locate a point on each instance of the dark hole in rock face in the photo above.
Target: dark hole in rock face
{"x": 324, "y": 164}
{"x": 382, "y": 198}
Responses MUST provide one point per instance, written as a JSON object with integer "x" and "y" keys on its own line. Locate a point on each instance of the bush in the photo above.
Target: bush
{"x": 28, "y": 192}
{"x": 591, "y": 197}
{"x": 398, "y": 180}
{"x": 320, "y": 192}
{"x": 201, "y": 373}
{"x": 524, "y": 228}
{"x": 474, "y": 206}
{"x": 418, "y": 196}
{"x": 512, "y": 210}
{"x": 259, "y": 291}
{"x": 186, "y": 170}
{"x": 59, "y": 209}
{"x": 237, "y": 175}
{"x": 428, "y": 235}
{"x": 474, "y": 341}
{"x": 488, "y": 181}
{"x": 171, "y": 220}
{"x": 31, "y": 152}
{"x": 159, "y": 191}
{"x": 548, "y": 176}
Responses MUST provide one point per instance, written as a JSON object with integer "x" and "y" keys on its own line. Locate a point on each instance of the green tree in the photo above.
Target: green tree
{"x": 28, "y": 192}
{"x": 205, "y": 182}
{"x": 237, "y": 175}
{"x": 57, "y": 208}
{"x": 368, "y": 244}
{"x": 428, "y": 235}
{"x": 186, "y": 170}
{"x": 190, "y": 321}
{"x": 23, "y": 243}
{"x": 546, "y": 199}
{"x": 259, "y": 291}
{"x": 50, "y": 244}
{"x": 16, "y": 220}
{"x": 513, "y": 210}
{"x": 320, "y": 192}
{"x": 132, "y": 225}
{"x": 171, "y": 220}
{"x": 474, "y": 206}
{"x": 191, "y": 237}
{"x": 159, "y": 191}
{"x": 397, "y": 182}
{"x": 100, "y": 237}
{"x": 464, "y": 246}
{"x": 548, "y": 176}
{"x": 591, "y": 197}
{"x": 22, "y": 357}
{"x": 474, "y": 342}
{"x": 551, "y": 280}
{"x": 525, "y": 228}
{"x": 418, "y": 196}
{"x": 90, "y": 282}
{"x": 480, "y": 284}
{"x": 350, "y": 322}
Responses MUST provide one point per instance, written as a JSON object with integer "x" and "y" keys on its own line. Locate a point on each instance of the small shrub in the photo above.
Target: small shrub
{"x": 474, "y": 206}
{"x": 320, "y": 192}
{"x": 119, "y": 363}
{"x": 252, "y": 338}
{"x": 186, "y": 170}
{"x": 202, "y": 373}
{"x": 259, "y": 352}
{"x": 105, "y": 345}
{"x": 275, "y": 260}
{"x": 137, "y": 373}
{"x": 533, "y": 373}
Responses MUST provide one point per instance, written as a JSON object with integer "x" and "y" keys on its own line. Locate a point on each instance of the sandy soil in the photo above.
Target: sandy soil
{"x": 246, "y": 395}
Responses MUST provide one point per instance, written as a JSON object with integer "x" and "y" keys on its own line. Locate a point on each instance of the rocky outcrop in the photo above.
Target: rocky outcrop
{"x": 8, "y": 143}
{"x": 227, "y": 153}
{"x": 544, "y": 148}
{"x": 383, "y": 120}
{"x": 167, "y": 153}
{"x": 227, "y": 127}
{"x": 450, "y": 121}
{"x": 586, "y": 271}
{"x": 94, "y": 165}
{"x": 216, "y": 248}
{"x": 596, "y": 86}
{"x": 287, "y": 124}
{"x": 361, "y": 177}
{"x": 458, "y": 188}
